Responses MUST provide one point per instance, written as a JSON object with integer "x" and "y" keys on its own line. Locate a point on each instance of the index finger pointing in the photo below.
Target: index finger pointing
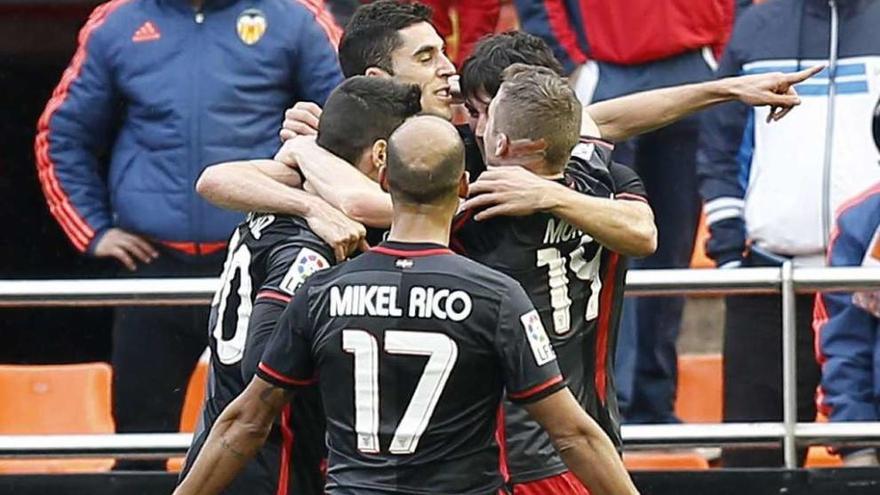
{"x": 803, "y": 75}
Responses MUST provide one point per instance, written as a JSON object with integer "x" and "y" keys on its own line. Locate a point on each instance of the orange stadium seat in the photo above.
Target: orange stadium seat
{"x": 699, "y": 259}
{"x": 664, "y": 461}
{"x": 699, "y": 397}
{"x": 57, "y": 399}
{"x": 192, "y": 406}
{"x": 195, "y": 396}
{"x": 819, "y": 457}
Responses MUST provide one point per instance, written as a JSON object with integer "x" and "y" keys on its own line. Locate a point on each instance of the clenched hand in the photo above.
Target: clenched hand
{"x": 343, "y": 234}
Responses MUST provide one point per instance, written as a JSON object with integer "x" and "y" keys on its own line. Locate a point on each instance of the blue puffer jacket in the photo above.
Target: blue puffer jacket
{"x": 848, "y": 342}
{"x": 167, "y": 91}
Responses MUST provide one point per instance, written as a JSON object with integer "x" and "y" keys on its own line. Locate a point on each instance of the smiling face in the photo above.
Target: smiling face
{"x": 420, "y": 60}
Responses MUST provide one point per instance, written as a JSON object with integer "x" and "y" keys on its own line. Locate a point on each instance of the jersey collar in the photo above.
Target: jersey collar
{"x": 410, "y": 249}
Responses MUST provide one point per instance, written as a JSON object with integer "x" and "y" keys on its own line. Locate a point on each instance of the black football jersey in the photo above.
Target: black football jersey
{"x": 576, "y": 285}
{"x": 412, "y": 347}
{"x": 269, "y": 257}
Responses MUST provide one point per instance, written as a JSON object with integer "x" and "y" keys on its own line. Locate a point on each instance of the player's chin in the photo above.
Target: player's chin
{"x": 439, "y": 106}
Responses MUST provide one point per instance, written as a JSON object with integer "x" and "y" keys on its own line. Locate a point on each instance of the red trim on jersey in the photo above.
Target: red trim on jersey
{"x": 284, "y": 379}
{"x": 72, "y": 223}
{"x": 501, "y": 438}
{"x": 324, "y": 19}
{"x": 631, "y": 196}
{"x": 271, "y": 294}
{"x": 597, "y": 141}
{"x": 418, "y": 253}
{"x": 463, "y": 219}
{"x": 286, "y": 450}
{"x": 525, "y": 394}
{"x": 606, "y": 301}
{"x": 454, "y": 240}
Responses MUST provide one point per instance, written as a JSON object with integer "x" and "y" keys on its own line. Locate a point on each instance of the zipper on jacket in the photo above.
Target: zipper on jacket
{"x": 195, "y": 128}
{"x": 829, "y": 125}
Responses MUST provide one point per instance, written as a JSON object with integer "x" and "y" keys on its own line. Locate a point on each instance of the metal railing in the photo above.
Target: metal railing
{"x": 786, "y": 280}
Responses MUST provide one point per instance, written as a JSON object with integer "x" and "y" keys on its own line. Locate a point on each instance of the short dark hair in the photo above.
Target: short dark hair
{"x": 536, "y": 103}
{"x": 496, "y": 52}
{"x": 372, "y": 34}
{"x": 431, "y": 176}
{"x": 363, "y": 109}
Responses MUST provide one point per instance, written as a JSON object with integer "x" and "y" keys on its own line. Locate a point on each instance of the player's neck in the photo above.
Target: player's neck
{"x": 545, "y": 170}
{"x": 424, "y": 223}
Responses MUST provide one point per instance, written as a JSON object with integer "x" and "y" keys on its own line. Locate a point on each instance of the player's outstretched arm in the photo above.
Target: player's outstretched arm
{"x": 338, "y": 182}
{"x": 628, "y": 116}
{"x": 236, "y": 437}
{"x": 254, "y": 185}
{"x": 624, "y": 226}
{"x": 584, "y": 447}
{"x": 270, "y": 186}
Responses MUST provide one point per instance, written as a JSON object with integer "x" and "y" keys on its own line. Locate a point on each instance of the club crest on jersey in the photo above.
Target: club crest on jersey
{"x": 542, "y": 349}
{"x": 251, "y": 26}
{"x": 306, "y": 263}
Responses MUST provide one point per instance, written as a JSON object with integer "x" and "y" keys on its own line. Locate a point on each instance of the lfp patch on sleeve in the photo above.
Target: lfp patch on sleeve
{"x": 306, "y": 263}
{"x": 542, "y": 349}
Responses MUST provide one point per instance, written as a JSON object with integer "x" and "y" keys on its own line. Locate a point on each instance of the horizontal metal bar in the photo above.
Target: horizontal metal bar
{"x": 677, "y": 282}
{"x": 107, "y": 292}
{"x": 129, "y": 445}
{"x": 635, "y": 437}
{"x": 838, "y": 279}
{"x": 198, "y": 291}
{"x": 638, "y": 437}
{"x": 861, "y": 434}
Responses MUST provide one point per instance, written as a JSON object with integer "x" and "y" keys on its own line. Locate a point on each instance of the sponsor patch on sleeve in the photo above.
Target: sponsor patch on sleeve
{"x": 306, "y": 263}
{"x": 542, "y": 349}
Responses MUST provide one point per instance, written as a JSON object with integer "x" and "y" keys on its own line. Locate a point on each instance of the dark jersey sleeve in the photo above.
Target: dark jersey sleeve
{"x": 527, "y": 356}
{"x": 627, "y": 183}
{"x": 264, "y": 318}
{"x": 588, "y": 168}
{"x": 287, "y": 360}
{"x": 288, "y": 267}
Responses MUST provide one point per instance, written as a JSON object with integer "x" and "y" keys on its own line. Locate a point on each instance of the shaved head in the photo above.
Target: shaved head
{"x": 425, "y": 161}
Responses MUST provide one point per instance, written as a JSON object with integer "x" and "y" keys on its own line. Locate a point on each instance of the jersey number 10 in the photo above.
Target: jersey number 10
{"x": 442, "y": 353}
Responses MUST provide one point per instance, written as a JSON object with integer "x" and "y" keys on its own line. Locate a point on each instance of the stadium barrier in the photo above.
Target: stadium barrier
{"x": 786, "y": 280}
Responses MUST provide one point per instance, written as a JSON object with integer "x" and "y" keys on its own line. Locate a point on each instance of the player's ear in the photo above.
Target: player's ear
{"x": 376, "y": 72}
{"x": 383, "y": 178}
{"x": 464, "y": 185}
{"x": 502, "y": 145}
{"x": 380, "y": 148}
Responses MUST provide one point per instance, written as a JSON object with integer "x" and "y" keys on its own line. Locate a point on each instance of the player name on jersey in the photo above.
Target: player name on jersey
{"x": 382, "y": 300}
{"x": 561, "y": 231}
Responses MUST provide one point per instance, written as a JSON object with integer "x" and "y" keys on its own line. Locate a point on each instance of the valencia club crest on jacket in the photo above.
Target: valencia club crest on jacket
{"x": 251, "y": 26}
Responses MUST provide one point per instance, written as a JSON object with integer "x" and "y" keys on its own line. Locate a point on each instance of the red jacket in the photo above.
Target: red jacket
{"x": 626, "y": 31}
